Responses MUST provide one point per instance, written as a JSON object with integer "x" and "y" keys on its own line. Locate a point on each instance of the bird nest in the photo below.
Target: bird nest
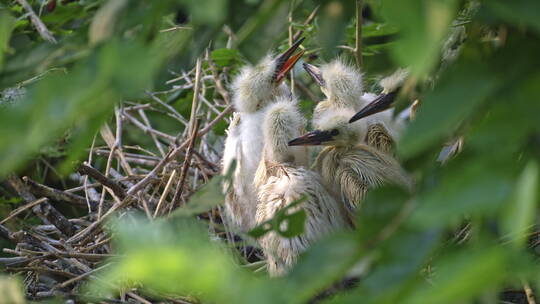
{"x": 56, "y": 254}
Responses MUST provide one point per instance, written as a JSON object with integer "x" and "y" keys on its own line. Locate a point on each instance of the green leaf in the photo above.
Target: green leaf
{"x": 206, "y": 198}
{"x": 518, "y": 12}
{"x": 310, "y": 276}
{"x": 12, "y": 290}
{"x": 176, "y": 257}
{"x": 461, "y": 276}
{"x": 519, "y": 215}
{"x": 104, "y": 21}
{"x": 207, "y": 11}
{"x": 465, "y": 189}
{"x": 423, "y": 25}
{"x": 396, "y": 262}
{"x": 378, "y": 29}
{"x": 333, "y": 18}
{"x": 6, "y": 27}
{"x": 225, "y": 57}
{"x": 456, "y": 96}
{"x": 86, "y": 94}
{"x": 286, "y": 222}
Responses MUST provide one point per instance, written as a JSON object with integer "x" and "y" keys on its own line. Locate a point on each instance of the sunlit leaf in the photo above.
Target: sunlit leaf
{"x": 103, "y": 23}
{"x": 519, "y": 214}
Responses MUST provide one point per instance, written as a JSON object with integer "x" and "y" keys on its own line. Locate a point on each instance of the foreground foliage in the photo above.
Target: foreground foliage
{"x": 468, "y": 233}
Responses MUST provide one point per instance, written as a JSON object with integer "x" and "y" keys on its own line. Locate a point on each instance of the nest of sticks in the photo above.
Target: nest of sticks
{"x": 57, "y": 254}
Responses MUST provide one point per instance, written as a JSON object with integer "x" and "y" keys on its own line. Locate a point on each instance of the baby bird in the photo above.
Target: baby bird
{"x": 253, "y": 89}
{"x": 280, "y": 181}
{"x": 340, "y": 83}
{"x": 391, "y": 86}
{"x": 349, "y": 169}
{"x": 342, "y": 86}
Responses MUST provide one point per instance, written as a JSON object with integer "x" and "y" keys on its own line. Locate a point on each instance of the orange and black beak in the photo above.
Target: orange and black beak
{"x": 379, "y": 104}
{"x": 315, "y": 73}
{"x": 286, "y": 61}
{"x": 314, "y": 138}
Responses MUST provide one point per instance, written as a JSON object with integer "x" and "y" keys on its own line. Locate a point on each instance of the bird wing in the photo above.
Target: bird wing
{"x": 364, "y": 168}
{"x": 323, "y": 214}
{"x": 377, "y": 136}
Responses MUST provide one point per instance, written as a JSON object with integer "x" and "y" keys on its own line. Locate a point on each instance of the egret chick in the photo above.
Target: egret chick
{"x": 342, "y": 86}
{"x": 391, "y": 87}
{"x": 280, "y": 182}
{"x": 340, "y": 83}
{"x": 349, "y": 169}
{"x": 253, "y": 89}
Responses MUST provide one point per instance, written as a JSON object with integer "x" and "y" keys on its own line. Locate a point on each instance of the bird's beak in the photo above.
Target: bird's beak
{"x": 379, "y": 104}
{"x": 313, "y": 138}
{"x": 286, "y": 61}
{"x": 315, "y": 73}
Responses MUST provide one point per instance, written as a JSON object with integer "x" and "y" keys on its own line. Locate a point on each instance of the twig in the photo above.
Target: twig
{"x": 85, "y": 169}
{"x": 165, "y": 193}
{"x": 57, "y": 195}
{"x": 307, "y": 22}
{"x": 185, "y": 167}
{"x": 291, "y": 40}
{"x": 45, "y": 211}
{"x": 195, "y": 101}
{"x": 171, "y": 155}
{"x": 358, "y": 42}
{"x": 19, "y": 210}
{"x": 528, "y": 292}
{"x": 219, "y": 83}
{"x": 154, "y": 138}
{"x": 38, "y": 24}
{"x": 80, "y": 277}
{"x": 170, "y": 108}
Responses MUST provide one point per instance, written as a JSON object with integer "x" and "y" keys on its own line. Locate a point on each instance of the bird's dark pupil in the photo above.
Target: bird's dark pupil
{"x": 334, "y": 132}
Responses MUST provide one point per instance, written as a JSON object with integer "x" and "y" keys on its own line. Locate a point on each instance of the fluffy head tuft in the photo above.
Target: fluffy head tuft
{"x": 392, "y": 82}
{"x": 282, "y": 123}
{"x": 343, "y": 83}
{"x": 254, "y": 87}
{"x": 348, "y": 134}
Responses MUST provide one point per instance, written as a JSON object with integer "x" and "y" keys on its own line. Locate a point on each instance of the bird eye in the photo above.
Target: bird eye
{"x": 334, "y": 132}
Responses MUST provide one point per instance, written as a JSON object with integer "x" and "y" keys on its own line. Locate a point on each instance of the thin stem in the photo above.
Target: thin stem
{"x": 358, "y": 45}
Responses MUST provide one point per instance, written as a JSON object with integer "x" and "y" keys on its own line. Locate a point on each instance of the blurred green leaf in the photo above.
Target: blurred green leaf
{"x": 309, "y": 277}
{"x": 88, "y": 93}
{"x": 519, "y": 214}
{"x": 177, "y": 257}
{"x": 286, "y": 222}
{"x": 518, "y": 12}
{"x": 422, "y": 25}
{"x": 210, "y": 196}
{"x": 391, "y": 275}
{"x": 333, "y": 18}
{"x": 103, "y": 23}
{"x": 225, "y": 57}
{"x": 207, "y": 11}
{"x": 457, "y": 95}
{"x": 378, "y": 29}
{"x": 6, "y": 27}
{"x": 11, "y": 290}
{"x": 464, "y": 189}
{"x": 461, "y": 276}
